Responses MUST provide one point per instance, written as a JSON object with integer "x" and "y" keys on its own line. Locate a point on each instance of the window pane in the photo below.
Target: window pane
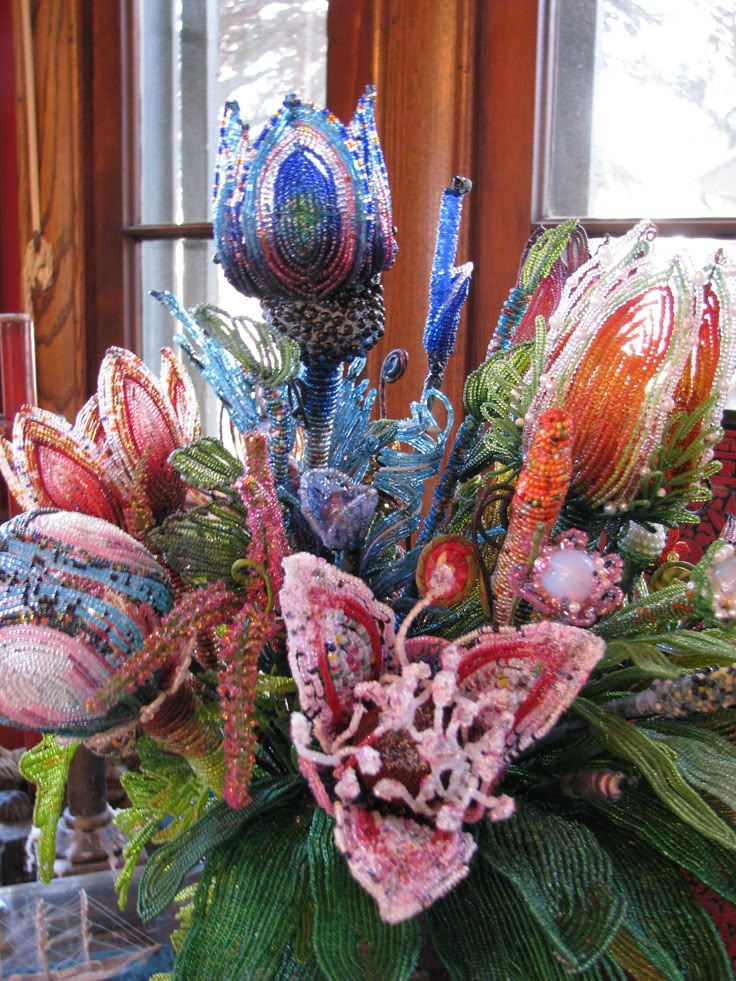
{"x": 195, "y": 56}
{"x": 641, "y": 117}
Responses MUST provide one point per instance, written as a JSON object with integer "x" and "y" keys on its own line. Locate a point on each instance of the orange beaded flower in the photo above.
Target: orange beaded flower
{"x": 636, "y": 343}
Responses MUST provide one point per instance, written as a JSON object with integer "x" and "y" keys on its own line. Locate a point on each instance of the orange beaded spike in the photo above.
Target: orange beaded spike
{"x": 539, "y": 495}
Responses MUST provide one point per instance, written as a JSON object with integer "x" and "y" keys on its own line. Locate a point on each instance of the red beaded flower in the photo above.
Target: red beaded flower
{"x": 447, "y": 567}
{"x": 113, "y": 462}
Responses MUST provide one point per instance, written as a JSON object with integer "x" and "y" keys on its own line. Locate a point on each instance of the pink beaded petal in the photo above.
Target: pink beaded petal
{"x": 707, "y": 369}
{"x": 311, "y": 774}
{"x": 176, "y": 384}
{"x": 425, "y": 648}
{"x": 46, "y": 678}
{"x": 543, "y": 303}
{"x": 137, "y": 418}
{"x": 140, "y": 425}
{"x": 337, "y": 635}
{"x": 541, "y": 668}
{"x": 89, "y": 424}
{"x": 20, "y": 492}
{"x": 59, "y": 467}
{"x": 405, "y": 866}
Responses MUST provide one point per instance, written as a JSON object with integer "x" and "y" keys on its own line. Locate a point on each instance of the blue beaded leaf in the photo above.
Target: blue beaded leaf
{"x": 249, "y": 366}
{"x": 412, "y": 455}
{"x": 351, "y": 448}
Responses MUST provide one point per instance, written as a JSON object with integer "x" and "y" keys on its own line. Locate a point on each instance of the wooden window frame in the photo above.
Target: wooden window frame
{"x": 432, "y": 60}
{"x": 709, "y": 228}
{"x": 458, "y": 84}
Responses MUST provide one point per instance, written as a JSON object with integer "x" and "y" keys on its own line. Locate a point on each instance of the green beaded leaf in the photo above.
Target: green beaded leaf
{"x": 674, "y": 472}
{"x": 492, "y": 390}
{"x": 350, "y": 940}
{"x": 639, "y": 958}
{"x": 544, "y": 251}
{"x": 292, "y": 969}
{"x": 47, "y": 765}
{"x": 722, "y": 721}
{"x": 253, "y": 893}
{"x": 162, "y": 877}
{"x": 483, "y": 931}
{"x": 206, "y": 464}
{"x": 665, "y": 925}
{"x": 672, "y": 652}
{"x": 642, "y": 661}
{"x": 269, "y": 355}
{"x": 497, "y": 394}
{"x": 564, "y": 877}
{"x": 185, "y": 901}
{"x": 705, "y": 759}
{"x": 165, "y": 799}
{"x": 693, "y": 649}
{"x": 274, "y": 686}
{"x": 658, "y": 764}
{"x": 203, "y": 544}
{"x": 647, "y": 615}
{"x": 167, "y": 867}
{"x": 640, "y": 812}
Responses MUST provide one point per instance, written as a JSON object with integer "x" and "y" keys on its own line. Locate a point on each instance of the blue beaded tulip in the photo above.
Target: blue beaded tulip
{"x": 303, "y": 214}
{"x": 338, "y": 510}
{"x": 302, "y": 220}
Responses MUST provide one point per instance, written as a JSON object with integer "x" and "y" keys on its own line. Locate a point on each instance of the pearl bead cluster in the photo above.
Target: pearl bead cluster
{"x": 569, "y": 583}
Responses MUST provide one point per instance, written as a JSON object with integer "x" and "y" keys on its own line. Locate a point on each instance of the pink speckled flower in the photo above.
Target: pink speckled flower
{"x": 405, "y": 754}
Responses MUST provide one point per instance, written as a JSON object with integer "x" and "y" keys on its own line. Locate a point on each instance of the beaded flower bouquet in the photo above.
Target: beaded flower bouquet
{"x": 502, "y": 728}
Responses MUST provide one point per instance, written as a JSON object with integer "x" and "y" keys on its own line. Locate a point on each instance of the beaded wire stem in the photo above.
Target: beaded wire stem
{"x": 257, "y": 622}
{"x": 322, "y": 382}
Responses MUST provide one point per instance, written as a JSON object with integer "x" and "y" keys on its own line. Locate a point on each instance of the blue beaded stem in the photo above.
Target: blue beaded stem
{"x": 445, "y": 488}
{"x": 281, "y": 434}
{"x": 513, "y": 310}
{"x": 322, "y": 383}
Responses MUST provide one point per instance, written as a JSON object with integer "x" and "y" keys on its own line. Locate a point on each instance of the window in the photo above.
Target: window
{"x": 639, "y": 117}
{"x": 191, "y": 58}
